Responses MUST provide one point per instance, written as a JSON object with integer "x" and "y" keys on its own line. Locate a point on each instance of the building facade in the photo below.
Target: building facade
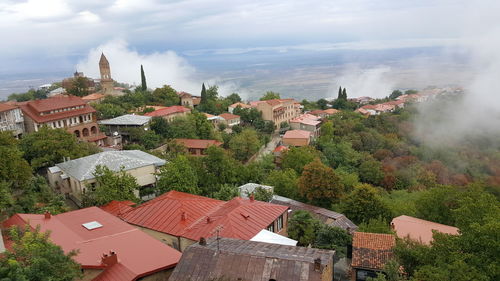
{"x": 170, "y": 113}
{"x": 65, "y": 112}
{"x": 278, "y": 110}
{"x": 11, "y": 119}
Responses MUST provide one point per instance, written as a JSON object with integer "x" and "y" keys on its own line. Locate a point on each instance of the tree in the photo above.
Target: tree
{"x": 302, "y": 227}
{"x": 203, "y": 128}
{"x": 375, "y": 225}
{"x": 203, "y": 94}
{"x": 234, "y": 98}
{"x": 226, "y": 192}
{"x": 270, "y": 95}
{"x": 110, "y": 186}
{"x": 6, "y": 199}
{"x": 48, "y": 146}
{"x": 219, "y": 168}
{"x": 166, "y": 96}
{"x": 371, "y": 172}
{"x": 144, "y": 86}
{"x": 160, "y": 126}
{"x": 364, "y": 203}
{"x": 436, "y": 204}
{"x": 344, "y": 94}
{"x": 393, "y": 272}
{"x": 339, "y": 96}
{"x": 333, "y": 238}
{"x": 178, "y": 175}
{"x": 395, "y": 94}
{"x": 320, "y": 185}
{"x": 262, "y": 194}
{"x": 79, "y": 86}
{"x": 13, "y": 168}
{"x": 108, "y": 110}
{"x": 322, "y": 103}
{"x": 33, "y": 257}
{"x": 284, "y": 182}
{"x": 245, "y": 144}
{"x": 297, "y": 157}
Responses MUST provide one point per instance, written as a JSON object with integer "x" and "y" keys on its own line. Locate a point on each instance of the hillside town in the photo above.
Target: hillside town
{"x": 113, "y": 182}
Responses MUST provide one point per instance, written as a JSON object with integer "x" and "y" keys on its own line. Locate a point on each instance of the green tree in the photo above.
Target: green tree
{"x": 48, "y": 146}
{"x": 375, "y": 225}
{"x": 234, "y": 98}
{"x": 160, "y": 126}
{"x": 110, "y": 186}
{"x": 344, "y": 94}
{"x": 144, "y": 86}
{"x": 245, "y": 144}
{"x": 6, "y": 199}
{"x": 270, "y": 95}
{"x": 219, "y": 168}
{"x": 13, "y": 168}
{"x": 226, "y": 192}
{"x": 339, "y": 95}
{"x": 285, "y": 182}
{"x": 364, "y": 203}
{"x": 262, "y": 194}
{"x": 166, "y": 96}
{"x": 302, "y": 227}
{"x": 436, "y": 204}
{"x": 108, "y": 110}
{"x": 33, "y": 257}
{"x": 178, "y": 175}
{"x": 203, "y": 128}
{"x": 392, "y": 270}
{"x": 333, "y": 238}
{"x": 182, "y": 128}
{"x": 297, "y": 157}
{"x": 203, "y": 95}
{"x": 320, "y": 185}
{"x": 79, "y": 86}
{"x": 395, "y": 94}
{"x": 371, "y": 172}
{"x": 322, "y": 103}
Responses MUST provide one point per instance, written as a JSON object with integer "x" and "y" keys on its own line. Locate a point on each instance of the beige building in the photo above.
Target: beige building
{"x": 229, "y": 119}
{"x": 189, "y": 100}
{"x": 66, "y": 112}
{"x": 307, "y": 122}
{"x": 278, "y": 110}
{"x": 11, "y": 119}
{"x": 74, "y": 177}
{"x": 297, "y": 138}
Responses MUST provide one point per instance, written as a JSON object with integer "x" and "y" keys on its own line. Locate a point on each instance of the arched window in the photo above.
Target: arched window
{"x": 77, "y": 133}
{"x": 85, "y": 132}
{"x": 93, "y": 130}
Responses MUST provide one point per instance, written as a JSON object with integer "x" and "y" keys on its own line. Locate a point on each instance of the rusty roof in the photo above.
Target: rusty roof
{"x": 196, "y": 143}
{"x": 418, "y": 229}
{"x": 372, "y": 250}
{"x": 6, "y": 106}
{"x": 326, "y": 216}
{"x": 192, "y": 216}
{"x": 138, "y": 253}
{"x": 168, "y": 110}
{"x": 249, "y": 260}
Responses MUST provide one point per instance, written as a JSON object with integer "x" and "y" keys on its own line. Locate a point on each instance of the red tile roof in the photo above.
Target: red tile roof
{"x": 242, "y": 105}
{"x": 229, "y": 116}
{"x": 94, "y": 96}
{"x": 168, "y": 110}
{"x": 138, "y": 253}
{"x": 34, "y": 108}
{"x": 297, "y": 134}
{"x": 372, "y": 250}
{"x": 5, "y": 107}
{"x": 192, "y": 216}
{"x": 280, "y": 148}
{"x": 195, "y": 143}
{"x": 419, "y": 230}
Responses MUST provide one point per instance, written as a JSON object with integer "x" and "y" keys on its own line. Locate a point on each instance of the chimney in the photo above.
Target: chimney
{"x": 317, "y": 264}
{"x": 203, "y": 241}
{"x": 109, "y": 260}
{"x": 209, "y": 220}
{"x": 252, "y": 198}
{"x": 47, "y": 215}
{"x": 183, "y": 216}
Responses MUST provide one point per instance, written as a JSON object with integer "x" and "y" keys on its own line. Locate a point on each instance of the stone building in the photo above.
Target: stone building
{"x": 278, "y": 110}
{"x": 11, "y": 119}
{"x": 66, "y": 112}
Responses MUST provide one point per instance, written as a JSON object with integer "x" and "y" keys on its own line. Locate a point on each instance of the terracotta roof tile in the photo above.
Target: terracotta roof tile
{"x": 418, "y": 229}
{"x": 34, "y": 114}
{"x": 372, "y": 250}
{"x": 297, "y": 134}
{"x": 168, "y": 110}
{"x": 196, "y": 143}
{"x": 229, "y": 116}
{"x": 5, "y": 107}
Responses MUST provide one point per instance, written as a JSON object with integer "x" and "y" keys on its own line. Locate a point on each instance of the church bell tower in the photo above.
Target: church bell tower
{"x": 106, "y": 81}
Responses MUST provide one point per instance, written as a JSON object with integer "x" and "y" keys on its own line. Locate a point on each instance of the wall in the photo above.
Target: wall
{"x": 295, "y": 142}
{"x": 89, "y": 274}
{"x": 158, "y": 276}
{"x": 170, "y": 240}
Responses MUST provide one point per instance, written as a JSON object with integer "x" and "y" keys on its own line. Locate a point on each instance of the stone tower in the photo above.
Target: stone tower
{"x": 106, "y": 81}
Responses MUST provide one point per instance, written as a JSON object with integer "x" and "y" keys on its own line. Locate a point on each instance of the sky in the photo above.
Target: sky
{"x": 41, "y": 36}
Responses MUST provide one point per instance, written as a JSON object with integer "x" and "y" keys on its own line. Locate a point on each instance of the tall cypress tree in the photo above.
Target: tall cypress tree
{"x": 344, "y": 94}
{"x": 144, "y": 86}
{"x": 339, "y": 96}
{"x": 203, "y": 94}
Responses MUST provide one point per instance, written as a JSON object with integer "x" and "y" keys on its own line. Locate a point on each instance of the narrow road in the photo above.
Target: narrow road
{"x": 275, "y": 139}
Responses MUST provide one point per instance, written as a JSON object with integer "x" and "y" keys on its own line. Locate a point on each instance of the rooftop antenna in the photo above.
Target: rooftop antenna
{"x": 217, "y": 231}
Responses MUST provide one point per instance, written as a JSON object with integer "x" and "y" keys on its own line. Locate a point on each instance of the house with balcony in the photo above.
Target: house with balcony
{"x": 66, "y": 112}
{"x": 11, "y": 119}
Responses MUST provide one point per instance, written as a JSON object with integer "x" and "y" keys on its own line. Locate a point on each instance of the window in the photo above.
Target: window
{"x": 280, "y": 223}
{"x": 271, "y": 227}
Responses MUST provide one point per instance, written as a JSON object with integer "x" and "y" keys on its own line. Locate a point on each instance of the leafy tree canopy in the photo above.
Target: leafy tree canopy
{"x": 270, "y": 95}
{"x": 110, "y": 186}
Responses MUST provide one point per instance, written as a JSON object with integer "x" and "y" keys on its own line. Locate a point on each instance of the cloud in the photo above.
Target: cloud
{"x": 161, "y": 68}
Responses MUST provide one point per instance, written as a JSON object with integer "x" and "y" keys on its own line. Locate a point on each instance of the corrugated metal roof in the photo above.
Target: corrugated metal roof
{"x": 137, "y": 252}
{"x": 192, "y": 216}
{"x": 83, "y": 168}
{"x": 128, "y": 119}
{"x": 325, "y": 215}
{"x": 250, "y": 260}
